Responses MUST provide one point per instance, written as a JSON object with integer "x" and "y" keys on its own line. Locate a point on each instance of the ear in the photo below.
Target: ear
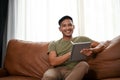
{"x": 73, "y": 26}
{"x": 59, "y": 28}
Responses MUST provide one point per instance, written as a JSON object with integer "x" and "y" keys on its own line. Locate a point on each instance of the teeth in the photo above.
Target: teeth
{"x": 67, "y": 31}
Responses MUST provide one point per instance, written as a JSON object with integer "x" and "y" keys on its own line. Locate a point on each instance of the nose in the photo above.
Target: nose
{"x": 68, "y": 27}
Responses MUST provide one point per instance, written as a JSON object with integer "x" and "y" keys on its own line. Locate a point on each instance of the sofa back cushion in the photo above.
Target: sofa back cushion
{"x": 107, "y": 63}
{"x": 26, "y": 58}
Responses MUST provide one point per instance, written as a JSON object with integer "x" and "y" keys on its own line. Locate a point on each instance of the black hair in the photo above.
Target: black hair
{"x": 63, "y": 18}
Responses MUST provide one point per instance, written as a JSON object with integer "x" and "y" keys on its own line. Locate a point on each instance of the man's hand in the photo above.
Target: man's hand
{"x": 87, "y": 51}
{"x": 69, "y": 53}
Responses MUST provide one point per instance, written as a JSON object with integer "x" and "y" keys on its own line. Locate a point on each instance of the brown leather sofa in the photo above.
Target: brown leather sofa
{"x": 27, "y": 60}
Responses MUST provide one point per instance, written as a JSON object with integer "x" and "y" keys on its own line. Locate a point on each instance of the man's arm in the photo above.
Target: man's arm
{"x": 96, "y": 47}
{"x": 101, "y": 46}
{"x": 57, "y": 60}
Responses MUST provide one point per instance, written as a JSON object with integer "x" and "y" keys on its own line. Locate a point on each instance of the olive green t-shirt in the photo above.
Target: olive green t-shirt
{"x": 64, "y": 46}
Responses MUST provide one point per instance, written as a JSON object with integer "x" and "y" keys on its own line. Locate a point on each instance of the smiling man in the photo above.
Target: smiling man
{"x": 60, "y": 52}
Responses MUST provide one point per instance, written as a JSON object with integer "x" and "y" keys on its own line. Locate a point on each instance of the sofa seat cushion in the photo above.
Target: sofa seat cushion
{"x": 111, "y": 79}
{"x": 107, "y": 63}
{"x": 26, "y": 58}
{"x": 18, "y": 78}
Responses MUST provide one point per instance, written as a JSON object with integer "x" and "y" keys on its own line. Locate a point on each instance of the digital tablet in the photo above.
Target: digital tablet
{"x": 76, "y": 48}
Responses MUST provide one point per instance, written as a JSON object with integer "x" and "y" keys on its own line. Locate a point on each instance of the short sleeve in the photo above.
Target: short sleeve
{"x": 51, "y": 46}
{"x": 88, "y": 39}
{"x": 83, "y": 39}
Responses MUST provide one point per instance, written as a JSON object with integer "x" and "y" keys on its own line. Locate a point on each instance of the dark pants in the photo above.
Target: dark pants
{"x": 64, "y": 73}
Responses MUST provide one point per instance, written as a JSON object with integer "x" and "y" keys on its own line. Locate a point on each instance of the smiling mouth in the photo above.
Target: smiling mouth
{"x": 68, "y": 31}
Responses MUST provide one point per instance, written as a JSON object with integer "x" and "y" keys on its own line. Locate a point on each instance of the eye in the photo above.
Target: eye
{"x": 70, "y": 25}
{"x": 63, "y": 25}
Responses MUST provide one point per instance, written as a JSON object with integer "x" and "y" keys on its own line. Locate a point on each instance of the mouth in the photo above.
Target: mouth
{"x": 68, "y": 32}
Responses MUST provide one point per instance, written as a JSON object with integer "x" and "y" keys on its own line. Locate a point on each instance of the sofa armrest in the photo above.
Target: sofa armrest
{"x": 3, "y": 72}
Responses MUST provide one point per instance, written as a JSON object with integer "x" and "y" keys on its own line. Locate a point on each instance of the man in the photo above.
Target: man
{"x": 60, "y": 52}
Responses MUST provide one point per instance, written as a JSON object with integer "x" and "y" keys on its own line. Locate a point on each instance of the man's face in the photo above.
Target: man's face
{"x": 66, "y": 27}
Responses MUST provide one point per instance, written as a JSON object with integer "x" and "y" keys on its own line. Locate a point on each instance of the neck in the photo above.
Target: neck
{"x": 67, "y": 38}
